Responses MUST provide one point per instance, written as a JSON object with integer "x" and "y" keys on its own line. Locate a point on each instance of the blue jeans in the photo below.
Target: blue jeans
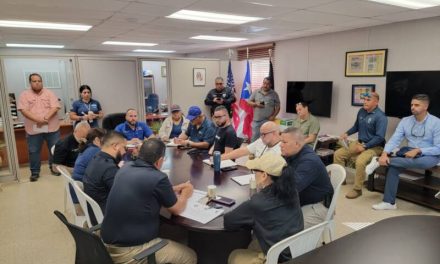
{"x": 397, "y": 165}
{"x": 34, "y": 147}
{"x": 256, "y": 129}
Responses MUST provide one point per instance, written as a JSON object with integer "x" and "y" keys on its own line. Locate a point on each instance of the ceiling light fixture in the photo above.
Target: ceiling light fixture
{"x": 218, "y": 38}
{"x": 44, "y": 46}
{"x": 122, "y": 43}
{"x": 412, "y": 4}
{"x": 154, "y": 51}
{"x": 261, "y": 4}
{"x": 43, "y": 25}
{"x": 212, "y": 17}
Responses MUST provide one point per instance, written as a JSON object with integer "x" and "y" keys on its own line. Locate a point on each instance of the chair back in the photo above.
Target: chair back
{"x": 90, "y": 207}
{"x": 110, "y": 121}
{"x": 152, "y": 103}
{"x": 89, "y": 247}
{"x": 299, "y": 244}
{"x": 69, "y": 205}
{"x": 337, "y": 177}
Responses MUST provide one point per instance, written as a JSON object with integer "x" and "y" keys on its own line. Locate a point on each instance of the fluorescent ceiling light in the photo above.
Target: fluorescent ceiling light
{"x": 43, "y": 25}
{"x": 122, "y": 43}
{"x": 261, "y": 4}
{"x": 154, "y": 51}
{"x": 218, "y": 38}
{"x": 16, "y": 45}
{"x": 412, "y": 4}
{"x": 212, "y": 17}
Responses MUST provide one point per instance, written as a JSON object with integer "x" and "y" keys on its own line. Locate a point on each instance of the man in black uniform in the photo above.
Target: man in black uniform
{"x": 225, "y": 139}
{"x": 220, "y": 95}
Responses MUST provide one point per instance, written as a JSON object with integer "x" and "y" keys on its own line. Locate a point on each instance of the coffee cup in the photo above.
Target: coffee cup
{"x": 212, "y": 191}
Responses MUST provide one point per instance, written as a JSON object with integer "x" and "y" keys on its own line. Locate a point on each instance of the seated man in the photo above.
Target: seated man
{"x": 311, "y": 177}
{"x": 200, "y": 133}
{"x": 269, "y": 141}
{"x": 66, "y": 150}
{"x": 225, "y": 138}
{"x": 422, "y": 131}
{"x": 131, "y": 221}
{"x": 307, "y": 122}
{"x": 101, "y": 170}
{"x": 371, "y": 125}
{"x": 135, "y": 132}
{"x": 273, "y": 213}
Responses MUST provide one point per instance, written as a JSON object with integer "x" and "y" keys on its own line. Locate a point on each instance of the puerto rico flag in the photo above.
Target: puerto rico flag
{"x": 243, "y": 113}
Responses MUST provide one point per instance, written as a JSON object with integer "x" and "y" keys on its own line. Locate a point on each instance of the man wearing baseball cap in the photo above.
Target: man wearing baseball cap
{"x": 200, "y": 133}
{"x": 173, "y": 125}
{"x": 273, "y": 213}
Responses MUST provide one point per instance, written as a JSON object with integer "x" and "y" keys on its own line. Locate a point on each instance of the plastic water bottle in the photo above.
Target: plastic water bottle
{"x": 252, "y": 186}
{"x": 217, "y": 161}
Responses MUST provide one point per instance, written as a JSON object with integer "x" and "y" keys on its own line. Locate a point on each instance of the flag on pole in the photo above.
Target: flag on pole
{"x": 271, "y": 73}
{"x": 243, "y": 116}
{"x": 230, "y": 81}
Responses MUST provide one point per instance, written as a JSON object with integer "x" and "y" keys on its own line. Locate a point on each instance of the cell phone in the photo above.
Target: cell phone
{"x": 262, "y": 102}
{"x": 224, "y": 200}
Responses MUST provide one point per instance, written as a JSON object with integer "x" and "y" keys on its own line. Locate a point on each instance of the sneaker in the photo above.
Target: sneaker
{"x": 374, "y": 164}
{"x": 384, "y": 206}
{"x": 34, "y": 177}
{"x": 353, "y": 194}
{"x": 54, "y": 172}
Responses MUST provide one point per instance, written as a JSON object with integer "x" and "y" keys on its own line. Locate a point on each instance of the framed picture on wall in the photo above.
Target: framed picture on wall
{"x": 199, "y": 76}
{"x": 359, "y": 91}
{"x": 366, "y": 63}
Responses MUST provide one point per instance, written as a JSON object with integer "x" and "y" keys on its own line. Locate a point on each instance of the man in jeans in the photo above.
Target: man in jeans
{"x": 39, "y": 107}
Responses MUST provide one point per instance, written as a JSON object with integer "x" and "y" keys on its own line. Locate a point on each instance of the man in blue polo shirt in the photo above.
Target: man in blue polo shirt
{"x": 132, "y": 130}
{"x": 200, "y": 133}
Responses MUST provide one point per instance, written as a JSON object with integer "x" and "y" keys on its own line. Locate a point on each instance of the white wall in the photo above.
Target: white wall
{"x": 413, "y": 45}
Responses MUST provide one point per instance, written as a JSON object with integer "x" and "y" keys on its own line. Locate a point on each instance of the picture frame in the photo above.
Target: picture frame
{"x": 366, "y": 63}
{"x": 358, "y": 91}
{"x": 163, "y": 71}
{"x": 199, "y": 76}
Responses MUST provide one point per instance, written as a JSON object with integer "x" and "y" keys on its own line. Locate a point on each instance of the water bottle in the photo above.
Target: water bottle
{"x": 252, "y": 185}
{"x": 217, "y": 161}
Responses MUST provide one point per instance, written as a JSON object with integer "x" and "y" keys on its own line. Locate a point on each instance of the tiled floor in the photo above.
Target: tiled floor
{"x": 30, "y": 233}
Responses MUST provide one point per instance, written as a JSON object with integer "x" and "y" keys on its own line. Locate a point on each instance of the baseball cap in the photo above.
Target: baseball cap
{"x": 175, "y": 108}
{"x": 270, "y": 163}
{"x": 193, "y": 112}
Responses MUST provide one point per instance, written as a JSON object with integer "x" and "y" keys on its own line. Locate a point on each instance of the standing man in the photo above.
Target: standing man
{"x": 307, "y": 122}
{"x": 135, "y": 132}
{"x": 371, "y": 125}
{"x": 225, "y": 139}
{"x": 132, "y": 218}
{"x": 200, "y": 133}
{"x": 220, "y": 95}
{"x": 311, "y": 177}
{"x": 266, "y": 104}
{"x": 39, "y": 107}
{"x": 422, "y": 131}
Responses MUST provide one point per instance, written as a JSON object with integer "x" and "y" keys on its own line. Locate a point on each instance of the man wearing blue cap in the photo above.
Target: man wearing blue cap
{"x": 200, "y": 133}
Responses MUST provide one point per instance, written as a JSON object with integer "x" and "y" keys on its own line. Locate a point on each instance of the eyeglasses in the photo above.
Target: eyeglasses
{"x": 264, "y": 134}
{"x": 218, "y": 117}
{"x": 417, "y": 131}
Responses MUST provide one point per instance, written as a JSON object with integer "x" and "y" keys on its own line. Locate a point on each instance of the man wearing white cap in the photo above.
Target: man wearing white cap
{"x": 273, "y": 213}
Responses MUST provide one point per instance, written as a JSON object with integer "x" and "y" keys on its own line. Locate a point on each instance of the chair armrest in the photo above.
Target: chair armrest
{"x": 95, "y": 228}
{"x": 151, "y": 250}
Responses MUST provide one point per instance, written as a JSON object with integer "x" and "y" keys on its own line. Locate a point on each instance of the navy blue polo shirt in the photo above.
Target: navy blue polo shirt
{"x": 140, "y": 131}
{"x": 371, "y": 127}
{"x": 81, "y": 108}
{"x": 205, "y": 133}
{"x": 132, "y": 214}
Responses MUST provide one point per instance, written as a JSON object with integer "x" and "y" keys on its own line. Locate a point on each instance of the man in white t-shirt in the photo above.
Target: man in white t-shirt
{"x": 269, "y": 141}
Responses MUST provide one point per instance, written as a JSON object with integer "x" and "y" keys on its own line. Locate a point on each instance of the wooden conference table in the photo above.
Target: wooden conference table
{"x": 403, "y": 239}
{"x": 210, "y": 241}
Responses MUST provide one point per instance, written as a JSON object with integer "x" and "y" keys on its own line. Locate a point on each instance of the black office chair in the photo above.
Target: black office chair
{"x": 110, "y": 121}
{"x": 91, "y": 249}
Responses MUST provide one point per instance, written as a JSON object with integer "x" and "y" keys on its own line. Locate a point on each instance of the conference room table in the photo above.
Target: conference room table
{"x": 398, "y": 240}
{"x": 211, "y": 241}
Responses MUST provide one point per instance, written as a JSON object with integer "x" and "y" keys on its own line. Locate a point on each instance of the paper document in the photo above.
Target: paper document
{"x": 223, "y": 164}
{"x": 172, "y": 144}
{"x": 197, "y": 211}
{"x": 42, "y": 129}
{"x": 344, "y": 143}
{"x": 243, "y": 180}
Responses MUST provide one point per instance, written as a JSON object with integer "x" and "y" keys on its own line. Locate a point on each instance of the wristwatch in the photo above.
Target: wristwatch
{"x": 188, "y": 144}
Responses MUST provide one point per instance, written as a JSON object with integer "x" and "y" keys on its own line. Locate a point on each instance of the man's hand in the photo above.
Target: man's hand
{"x": 184, "y": 188}
{"x": 271, "y": 118}
{"x": 343, "y": 136}
{"x": 165, "y": 138}
{"x": 412, "y": 153}
{"x": 359, "y": 148}
{"x": 384, "y": 160}
{"x": 179, "y": 141}
{"x": 42, "y": 122}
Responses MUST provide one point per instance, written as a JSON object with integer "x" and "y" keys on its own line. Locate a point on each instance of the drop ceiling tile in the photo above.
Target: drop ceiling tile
{"x": 314, "y": 17}
{"x": 299, "y": 4}
{"x": 405, "y": 16}
{"x": 149, "y": 9}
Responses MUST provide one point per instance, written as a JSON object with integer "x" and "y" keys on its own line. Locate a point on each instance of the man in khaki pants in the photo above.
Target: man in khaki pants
{"x": 371, "y": 125}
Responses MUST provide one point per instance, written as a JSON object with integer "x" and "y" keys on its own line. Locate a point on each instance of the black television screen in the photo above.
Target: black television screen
{"x": 402, "y": 85}
{"x": 317, "y": 94}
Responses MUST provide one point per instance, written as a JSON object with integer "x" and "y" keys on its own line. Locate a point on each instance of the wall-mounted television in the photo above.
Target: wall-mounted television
{"x": 402, "y": 85}
{"x": 317, "y": 94}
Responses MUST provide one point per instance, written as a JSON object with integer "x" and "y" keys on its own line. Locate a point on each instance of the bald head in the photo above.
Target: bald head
{"x": 81, "y": 131}
{"x": 270, "y": 133}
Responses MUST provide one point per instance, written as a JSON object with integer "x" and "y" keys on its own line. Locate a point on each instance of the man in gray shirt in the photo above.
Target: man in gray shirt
{"x": 266, "y": 104}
